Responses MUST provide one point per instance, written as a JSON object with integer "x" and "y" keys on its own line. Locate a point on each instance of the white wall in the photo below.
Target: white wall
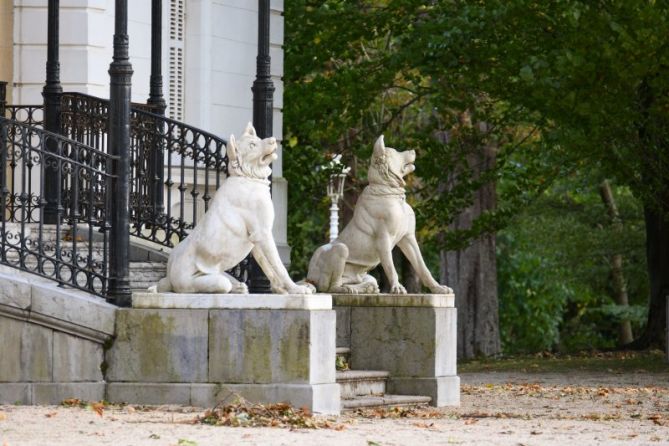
{"x": 86, "y": 38}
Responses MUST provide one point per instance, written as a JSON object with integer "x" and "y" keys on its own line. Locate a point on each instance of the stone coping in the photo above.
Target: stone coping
{"x": 232, "y": 301}
{"x": 394, "y": 300}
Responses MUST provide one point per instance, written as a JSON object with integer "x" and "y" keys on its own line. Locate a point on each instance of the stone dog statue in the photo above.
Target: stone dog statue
{"x": 381, "y": 220}
{"x": 238, "y": 221}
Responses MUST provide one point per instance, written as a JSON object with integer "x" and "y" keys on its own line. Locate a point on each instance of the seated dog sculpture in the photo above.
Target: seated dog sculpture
{"x": 238, "y": 221}
{"x": 381, "y": 220}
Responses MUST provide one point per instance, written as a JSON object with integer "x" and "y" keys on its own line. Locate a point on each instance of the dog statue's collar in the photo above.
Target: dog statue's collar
{"x": 386, "y": 191}
{"x": 263, "y": 181}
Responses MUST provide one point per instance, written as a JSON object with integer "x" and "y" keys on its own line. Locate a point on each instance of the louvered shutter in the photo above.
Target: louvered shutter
{"x": 176, "y": 69}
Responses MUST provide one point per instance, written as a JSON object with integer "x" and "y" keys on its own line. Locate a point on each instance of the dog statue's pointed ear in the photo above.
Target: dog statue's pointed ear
{"x": 250, "y": 130}
{"x": 379, "y": 147}
{"x": 231, "y": 149}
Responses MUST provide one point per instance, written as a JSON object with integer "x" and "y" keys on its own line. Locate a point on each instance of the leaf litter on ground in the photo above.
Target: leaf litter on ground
{"x": 242, "y": 413}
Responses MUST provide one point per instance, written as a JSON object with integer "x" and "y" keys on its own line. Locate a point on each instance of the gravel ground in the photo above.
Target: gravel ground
{"x": 497, "y": 409}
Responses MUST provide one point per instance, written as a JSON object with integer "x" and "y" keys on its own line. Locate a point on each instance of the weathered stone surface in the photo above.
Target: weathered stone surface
{"x": 149, "y": 393}
{"x": 343, "y": 326}
{"x": 406, "y": 341}
{"x": 25, "y": 351}
{"x": 16, "y": 393}
{"x": 394, "y": 300}
{"x": 73, "y": 306}
{"x": 76, "y": 359}
{"x": 233, "y": 301}
{"x": 159, "y": 346}
{"x": 444, "y": 390}
{"x": 271, "y": 346}
{"x": 15, "y": 291}
{"x": 319, "y": 398}
{"x": 355, "y": 383}
{"x": 55, "y": 393}
{"x": 10, "y": 349}
{"x": 322, "y": 347}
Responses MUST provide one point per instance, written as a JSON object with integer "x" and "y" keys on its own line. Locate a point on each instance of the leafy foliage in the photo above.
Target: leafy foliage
{"x": 557, "y": 88}
{"x": 554, "y": 270}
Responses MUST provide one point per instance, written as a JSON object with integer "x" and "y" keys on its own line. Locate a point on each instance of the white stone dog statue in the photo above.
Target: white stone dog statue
{"x": 238, "y": 221}
{"x": 381, "y": 220}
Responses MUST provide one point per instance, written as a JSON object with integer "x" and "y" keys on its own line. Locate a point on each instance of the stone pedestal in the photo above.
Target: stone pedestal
{"x": 411, "y": 336}
{"x": 200, "y": 349}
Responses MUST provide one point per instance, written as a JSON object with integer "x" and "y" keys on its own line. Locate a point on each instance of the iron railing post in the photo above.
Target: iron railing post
{"x": 120, "y": 74}
{"x": 263, "y": 107}
{"x": 157, "y": 101}
{"x": 3, "y": 98}
{"x": 52, "y": 109}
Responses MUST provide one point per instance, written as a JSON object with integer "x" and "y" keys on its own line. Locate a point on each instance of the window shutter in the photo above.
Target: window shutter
{"x": 175, "y": 108}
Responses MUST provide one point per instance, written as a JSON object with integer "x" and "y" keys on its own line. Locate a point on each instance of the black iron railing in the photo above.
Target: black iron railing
{"x": 175, "y": 168}
{"x": 32, "y": 115}
{"x": 175, "y": 171}
{"x": 74, "y": 250}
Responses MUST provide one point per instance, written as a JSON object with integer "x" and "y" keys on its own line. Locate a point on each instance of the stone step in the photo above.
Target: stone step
{"x": 146, "y": 274}
{"x": 355, "y": 383}
{"x": 374, "y": 401}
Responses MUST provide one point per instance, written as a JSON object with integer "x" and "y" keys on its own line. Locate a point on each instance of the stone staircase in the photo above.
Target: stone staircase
{"x": 365, "y": 389}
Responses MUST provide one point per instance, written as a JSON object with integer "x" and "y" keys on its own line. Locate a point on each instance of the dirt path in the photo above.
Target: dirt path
{"x": 497, "y": 409}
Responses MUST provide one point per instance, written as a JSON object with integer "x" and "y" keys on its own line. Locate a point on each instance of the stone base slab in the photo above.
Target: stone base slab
{"x": 444, "y": 390}
{"x": 320, "y": 398}
{"x": 394, "y": 300}
{"x": 50, "y": 393}
{"x": 232, "y": 301}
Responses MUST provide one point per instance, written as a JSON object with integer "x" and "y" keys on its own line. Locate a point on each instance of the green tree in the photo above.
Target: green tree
{"x": 556, "y": 86}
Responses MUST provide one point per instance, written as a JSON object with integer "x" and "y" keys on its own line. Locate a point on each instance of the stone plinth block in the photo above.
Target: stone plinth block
{"x": 201, "y": 349}
{"x": 272, "y": 346}
{"x": 411, "y": 336}
{"x": 156, "y": 345}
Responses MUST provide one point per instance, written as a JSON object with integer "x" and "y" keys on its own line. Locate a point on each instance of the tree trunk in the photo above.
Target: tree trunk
{"x": 472, "y": 273}
{"x": 656, "y": 216}
{"x": 657, "y": 254}
{"x": 625, "y": 335}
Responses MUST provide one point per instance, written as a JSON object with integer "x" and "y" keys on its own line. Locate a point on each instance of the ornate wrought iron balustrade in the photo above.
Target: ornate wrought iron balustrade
{"x": 74, "y": 250}
{"x": 32, "y": 115}
{"x": 176, "y": 168}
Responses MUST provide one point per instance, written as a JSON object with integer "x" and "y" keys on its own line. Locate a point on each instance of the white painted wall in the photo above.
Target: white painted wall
{"x": 86, "y": 37}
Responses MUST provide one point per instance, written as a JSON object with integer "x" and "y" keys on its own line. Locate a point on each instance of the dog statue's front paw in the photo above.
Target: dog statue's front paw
{"x": 301, "y": 289}
{"x": 441, "y": 289}
{"x": 398, "y": 289}
{"x": 370, "y": 288}
{"x": 239, "y": 288}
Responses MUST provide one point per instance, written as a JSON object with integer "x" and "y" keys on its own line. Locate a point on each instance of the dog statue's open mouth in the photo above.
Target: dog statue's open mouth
{"x": 409, "y": 167}
{"x": 269, "y": 157}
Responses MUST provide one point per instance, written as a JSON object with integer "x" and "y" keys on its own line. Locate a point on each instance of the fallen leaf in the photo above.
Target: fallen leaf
{"x": 51, "y": 414}
{"x": 469, "y": 421}
{"x": 3, "y": 416}
{"x": 98, "y": 408}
